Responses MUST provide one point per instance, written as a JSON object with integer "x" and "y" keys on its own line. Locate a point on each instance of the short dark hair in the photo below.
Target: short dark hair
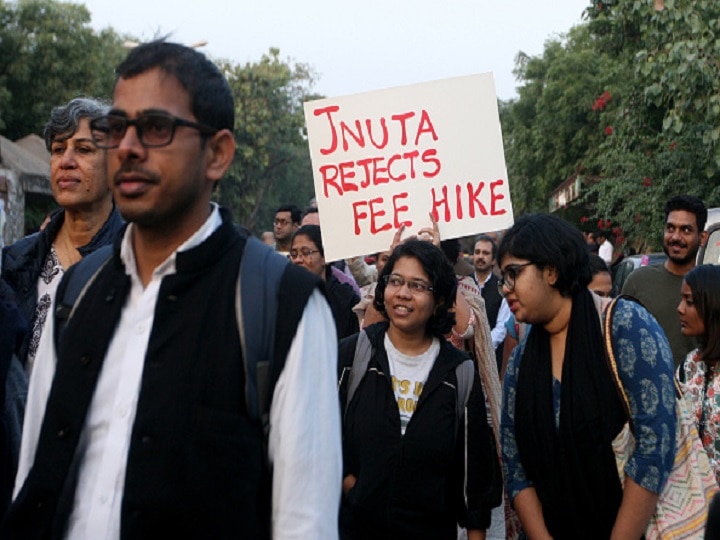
{"x": 451, "y": 248}
{"x": 704, "y": 282}
{"x": 211, "y": 99}
{"x": 309, "y": 210}
{"x": 312, "y": 232}
{"x": 442, "y": 279}
{"x": 295, "y": 213}
{"x": 597, "y": 265}
{"x": 548, "y": 240}
{"x": 65, "y": 119}
{"x": 488, "y": 238}
{"x": 691, "y": 204}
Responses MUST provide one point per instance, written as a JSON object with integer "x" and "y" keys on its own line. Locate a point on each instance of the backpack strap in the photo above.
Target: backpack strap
{"x": 363, "y": 351}
{"x": 465, "y": 373}
{"x": 74, "y": 283}
{"x": 259, "y": 277}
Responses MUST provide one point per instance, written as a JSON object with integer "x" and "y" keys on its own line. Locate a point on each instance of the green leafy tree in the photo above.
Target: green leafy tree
{"x": 666, "y": 115}
{"x": 630, "y": 102}
{"x": 48, "y": 55}
{"x": 272, "y": 163}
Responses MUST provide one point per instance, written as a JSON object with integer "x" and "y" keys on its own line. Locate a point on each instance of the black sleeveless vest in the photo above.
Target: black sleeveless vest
{"x": 197, "y": 465}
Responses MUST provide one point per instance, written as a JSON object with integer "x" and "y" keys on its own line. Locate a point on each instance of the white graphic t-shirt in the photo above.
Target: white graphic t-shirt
{"x": 409, "y": 374}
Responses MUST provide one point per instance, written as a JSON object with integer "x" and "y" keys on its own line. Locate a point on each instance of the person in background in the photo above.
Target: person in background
{"x": 306, "y": 250}
{"x": 310, "y": 216}
{"x": 561, "y": 406}
{"x": 287, "y": 221}
{"x": 591, "y": 242}
{"x": 498, "y": 312}
{"x": 656, "y": 286}
{"x": 367, "y": 294}
{"x": 412, "y": 468}
{"x": 699, "y": 374}
{"x": 601, "y": 280}
{"x": 605, "y": 247}
{"x": 86, "y": 221}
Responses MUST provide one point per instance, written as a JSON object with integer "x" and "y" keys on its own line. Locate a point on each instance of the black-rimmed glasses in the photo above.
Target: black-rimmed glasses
{"x": 395, "y": 281}
{"x": 153, "y": 129}
{"x": 509, "y": 275}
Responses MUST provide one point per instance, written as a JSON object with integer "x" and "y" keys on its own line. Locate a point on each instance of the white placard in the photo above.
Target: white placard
{"x": 390, "y": 157}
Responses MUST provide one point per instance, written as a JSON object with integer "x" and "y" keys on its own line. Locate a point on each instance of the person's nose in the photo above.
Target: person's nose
{"x": 130, "y": 146}
{"x": 67, "y": 160}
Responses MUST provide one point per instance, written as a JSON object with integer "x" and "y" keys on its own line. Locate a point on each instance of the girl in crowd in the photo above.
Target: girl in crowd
{"x": 600, "y": 277}
{"x": 699, "y": 311}
{"x": 307, "y": 250}
{"x": 413, "y": 467}
{"x": 561, "y": 408}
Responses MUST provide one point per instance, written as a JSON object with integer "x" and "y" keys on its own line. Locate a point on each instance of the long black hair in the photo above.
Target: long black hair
{"x": 704, "y": 282}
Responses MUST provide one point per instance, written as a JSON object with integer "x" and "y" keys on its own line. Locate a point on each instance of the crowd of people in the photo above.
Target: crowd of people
{"x": 167, "y": 375}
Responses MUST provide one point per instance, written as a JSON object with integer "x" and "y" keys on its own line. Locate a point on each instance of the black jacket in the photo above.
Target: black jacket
{"x": 420, "y": 485}
{"x": 197, "y": 463}
{"x": 23, "y": 261}
{"x": 342, "y": 298}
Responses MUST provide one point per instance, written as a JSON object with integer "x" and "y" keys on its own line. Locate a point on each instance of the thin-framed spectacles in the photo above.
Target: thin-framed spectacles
{"x": 153, "y": 129}
{"x": 395, "y": 281}
{"x": 304, "y": 253}
{"x": 509, "y": 275}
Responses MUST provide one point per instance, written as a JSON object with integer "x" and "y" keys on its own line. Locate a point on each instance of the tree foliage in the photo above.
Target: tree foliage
{"x": 272, "y": 164}
{"x": 48, "y": 55}
{"x": 639, "y": 84}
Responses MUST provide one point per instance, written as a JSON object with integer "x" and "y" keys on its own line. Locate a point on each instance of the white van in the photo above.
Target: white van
{"x": 710, "y": 253}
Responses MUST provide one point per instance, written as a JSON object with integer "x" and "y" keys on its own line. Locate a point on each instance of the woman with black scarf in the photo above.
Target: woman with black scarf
{"x": 560, "y": 468}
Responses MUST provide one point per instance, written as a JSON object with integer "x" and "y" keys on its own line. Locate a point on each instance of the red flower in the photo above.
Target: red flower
{"x": 647, "y": 181}
{"x": 673, "y": 145}
{"x": 608, "y": 130}
{"x": 604, "y": 224}
{"x": 583, "y": 219}
{"x": 602, "y": 101}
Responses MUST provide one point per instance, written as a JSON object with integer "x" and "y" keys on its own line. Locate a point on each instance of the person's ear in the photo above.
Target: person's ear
{"x": 703, "y": 238}
{"x": 551, "y": 275}
{"x": 219, "y": 152}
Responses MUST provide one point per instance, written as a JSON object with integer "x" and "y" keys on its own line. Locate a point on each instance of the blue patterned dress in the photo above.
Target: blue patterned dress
{"x": 645, "y": 366}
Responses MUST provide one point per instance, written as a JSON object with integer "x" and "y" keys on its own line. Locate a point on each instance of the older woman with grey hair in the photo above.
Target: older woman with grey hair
{"x": 87, "y": 219}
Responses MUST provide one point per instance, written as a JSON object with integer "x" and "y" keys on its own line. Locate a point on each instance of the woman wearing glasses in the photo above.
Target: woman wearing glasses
{"x": 306, "y": 250}
{"x": 561, "y": 408}
{"x": 419, "y": 457}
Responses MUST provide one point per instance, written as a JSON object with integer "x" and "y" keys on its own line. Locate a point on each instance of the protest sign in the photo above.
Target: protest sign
{"x": 391, "y": 157}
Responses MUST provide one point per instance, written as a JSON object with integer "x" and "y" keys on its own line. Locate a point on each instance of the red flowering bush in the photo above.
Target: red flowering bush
{"x": 602, "y": 101}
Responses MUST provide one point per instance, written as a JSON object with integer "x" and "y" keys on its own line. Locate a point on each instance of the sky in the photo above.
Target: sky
{"x": 357, "y": 46}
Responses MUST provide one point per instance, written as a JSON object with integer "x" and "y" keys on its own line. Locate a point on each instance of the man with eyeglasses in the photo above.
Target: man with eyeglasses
{"x": 287, "y": 221}
{"x": 147, "y": 432}
{"x": 496, "y": 308}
